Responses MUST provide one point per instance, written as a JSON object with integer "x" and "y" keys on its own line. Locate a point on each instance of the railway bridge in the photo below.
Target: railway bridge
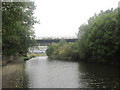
{"x": 47, "y": 42}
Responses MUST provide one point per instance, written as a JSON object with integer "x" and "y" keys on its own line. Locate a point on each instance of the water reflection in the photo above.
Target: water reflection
{"x": 99, "y": 76}
{"x": 44, "y": 73}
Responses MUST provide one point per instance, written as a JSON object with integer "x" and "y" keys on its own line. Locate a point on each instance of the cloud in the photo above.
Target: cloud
{"x": 60, "y": 18}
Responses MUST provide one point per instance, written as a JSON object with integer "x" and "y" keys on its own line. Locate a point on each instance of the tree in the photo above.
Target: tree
{"x": 100, "y": 37}
{"x": 98, "y": 40}
{"x": 17, "y": 27}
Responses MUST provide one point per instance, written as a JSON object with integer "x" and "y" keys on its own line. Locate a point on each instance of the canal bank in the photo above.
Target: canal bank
{"x": 13, "y": 74}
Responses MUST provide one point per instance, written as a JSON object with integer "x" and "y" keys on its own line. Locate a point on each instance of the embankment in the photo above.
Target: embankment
{"x": 13, "y": 74}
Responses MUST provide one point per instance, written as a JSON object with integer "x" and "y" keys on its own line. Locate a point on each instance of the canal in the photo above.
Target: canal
{"x": 40, "y": 72}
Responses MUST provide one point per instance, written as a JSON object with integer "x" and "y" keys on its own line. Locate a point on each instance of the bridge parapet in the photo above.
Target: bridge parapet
{"x": 47, "y": 42}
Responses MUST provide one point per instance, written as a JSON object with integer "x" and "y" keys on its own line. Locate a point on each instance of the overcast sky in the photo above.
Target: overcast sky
{"x": 62, "y": 18}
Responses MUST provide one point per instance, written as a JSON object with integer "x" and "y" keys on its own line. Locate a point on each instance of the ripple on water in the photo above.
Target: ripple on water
{"x": 44, "y": 73}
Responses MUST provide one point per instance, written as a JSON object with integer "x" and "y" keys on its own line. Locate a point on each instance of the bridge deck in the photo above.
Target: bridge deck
{"x": 46, "y": 42}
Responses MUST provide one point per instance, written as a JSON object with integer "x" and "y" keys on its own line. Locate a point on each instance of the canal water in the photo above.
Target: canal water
{"x": 40, "y": 72}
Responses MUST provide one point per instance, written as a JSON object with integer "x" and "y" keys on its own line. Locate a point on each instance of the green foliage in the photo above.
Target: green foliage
{"x": 28, "y": 57}
{"x": 82, "y": 42}
{"x": 17, "y": 25}
{"x": 100, "y": 39}
{"x": 63, "y": 50}
{"x": 51, "y": 50}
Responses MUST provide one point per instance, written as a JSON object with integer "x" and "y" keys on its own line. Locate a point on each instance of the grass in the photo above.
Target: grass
{"x": 29, "y": 56}
{"x": 39, "y": 55}
{"x": 22, "y": 75}
{"x": 13, "y": 74}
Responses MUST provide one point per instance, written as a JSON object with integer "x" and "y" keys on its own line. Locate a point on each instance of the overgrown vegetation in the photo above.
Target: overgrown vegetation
{"x": 98, "y": 40}
{"x": 17, "y": 27}
{"x": 62, "y": 50}
{"x": 17, "y": 22}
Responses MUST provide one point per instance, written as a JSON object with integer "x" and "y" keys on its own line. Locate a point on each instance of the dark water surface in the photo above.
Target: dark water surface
{"x": 43, "y": 73}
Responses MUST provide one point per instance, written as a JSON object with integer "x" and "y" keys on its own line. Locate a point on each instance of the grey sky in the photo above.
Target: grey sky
{"x": 62, "y": 18}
